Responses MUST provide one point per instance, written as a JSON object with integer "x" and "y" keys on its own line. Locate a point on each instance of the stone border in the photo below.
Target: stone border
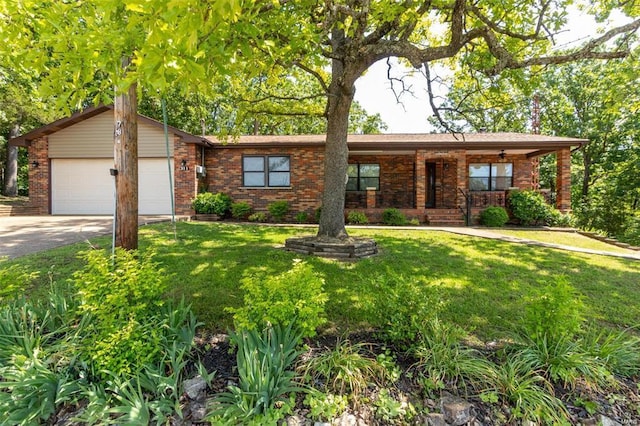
{"x": 354, "y": 248}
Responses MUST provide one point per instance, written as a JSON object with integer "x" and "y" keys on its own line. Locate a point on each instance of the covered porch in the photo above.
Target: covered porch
{"x": 439, "y": 185}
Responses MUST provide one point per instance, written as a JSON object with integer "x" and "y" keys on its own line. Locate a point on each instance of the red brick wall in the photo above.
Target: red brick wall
{"x": 397, "y": 188}
{"x": 39, "y": 191}
{"x": 563, "y": 180}
{"x": 186, "y": 183}
{"x": 224, "y": 174}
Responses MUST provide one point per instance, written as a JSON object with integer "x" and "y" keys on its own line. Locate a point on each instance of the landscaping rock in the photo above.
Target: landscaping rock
{"x": 198, "y": 411}
{"x": 435, "y": 419}
{"x": 345, "y": 420}
{"x": 457, "y": 411}
{"x": 193, "y": 387}
{"x": 296, "y": 420}
{"x": 606, "y": 421}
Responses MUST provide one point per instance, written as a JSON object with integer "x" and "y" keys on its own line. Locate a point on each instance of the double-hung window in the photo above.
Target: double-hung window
{"x": 363, "y": 176}
{"x": 490, "y": 176}
{"x": 266, "y": 170}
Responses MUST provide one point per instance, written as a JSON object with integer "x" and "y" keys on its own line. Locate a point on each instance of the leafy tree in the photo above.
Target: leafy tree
{"x": 85, "y": 51}
{"x": 350, "y": 36}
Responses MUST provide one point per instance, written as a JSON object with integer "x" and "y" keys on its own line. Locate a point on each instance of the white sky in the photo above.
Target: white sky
{"x": 374, "y": 94}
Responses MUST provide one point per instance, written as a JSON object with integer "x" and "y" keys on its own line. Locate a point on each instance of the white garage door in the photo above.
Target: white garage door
{"x": 86, "y": 186}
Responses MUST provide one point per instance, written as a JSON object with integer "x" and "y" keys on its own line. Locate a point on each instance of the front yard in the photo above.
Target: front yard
{"x": 523, "y": 332}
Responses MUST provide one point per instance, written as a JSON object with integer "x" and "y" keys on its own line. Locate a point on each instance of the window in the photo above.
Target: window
{"x": 490, "y": 177}
{"x": 266, "y": 170}
{"x": 363, "y": 176}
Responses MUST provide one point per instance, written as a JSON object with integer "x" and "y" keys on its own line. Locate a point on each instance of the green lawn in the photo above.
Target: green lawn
{"x": 483, "y": 285}
{"x": 566, "y": 238}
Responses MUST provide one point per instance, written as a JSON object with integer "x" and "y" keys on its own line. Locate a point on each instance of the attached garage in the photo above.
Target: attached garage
{"x": 70, "y": 162}
{"x": 85, "y": 187}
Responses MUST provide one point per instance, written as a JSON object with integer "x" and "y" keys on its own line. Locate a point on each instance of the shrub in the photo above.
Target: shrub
{"x": 557, "y": 218}
{"x": 208, "y": 203}
{"x": 414, "y": 221}
{"x": 302, "y": 217}
{"x": 494, "y": 216}
{"x": 296, "y": 294}
{"x": 393, "y": 217}
{"x": 278, "y": 210}
{"x": 122, "y": 294}
{"x": 529, "y": 207}
{"x": 357, "y": 218}
{"x": 241, "y": 210}
{"x": 317, "y": 214}
{"x": 258, "y": 217}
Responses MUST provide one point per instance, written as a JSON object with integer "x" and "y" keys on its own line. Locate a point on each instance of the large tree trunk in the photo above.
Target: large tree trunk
{"x": 11, "y": 165}
{"x": 126, "y": 163}
{"x": 341, "y": 92}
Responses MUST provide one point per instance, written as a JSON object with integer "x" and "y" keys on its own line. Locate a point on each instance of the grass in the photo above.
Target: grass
{"x": 565, "y": 238}
{"x": 482, "y": 285}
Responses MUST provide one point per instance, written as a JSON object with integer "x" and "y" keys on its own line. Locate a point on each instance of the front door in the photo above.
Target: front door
{"x": 430, "y": 185}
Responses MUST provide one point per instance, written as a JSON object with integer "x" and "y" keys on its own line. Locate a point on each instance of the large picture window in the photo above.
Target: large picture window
{"x": 490, "y": 176}
{"x": 363, "y": 176}
{"x": 266, "y": 170}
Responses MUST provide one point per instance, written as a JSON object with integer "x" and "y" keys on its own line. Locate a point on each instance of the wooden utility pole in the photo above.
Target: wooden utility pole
{"x": 11, "y": 165}
{"x": 125, "y": 154}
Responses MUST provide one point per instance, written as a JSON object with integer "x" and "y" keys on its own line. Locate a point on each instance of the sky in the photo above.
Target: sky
{"x": 374, "y": 94}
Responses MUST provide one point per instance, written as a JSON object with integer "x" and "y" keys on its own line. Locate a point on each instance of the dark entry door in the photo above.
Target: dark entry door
{"x": 430, "y": 171}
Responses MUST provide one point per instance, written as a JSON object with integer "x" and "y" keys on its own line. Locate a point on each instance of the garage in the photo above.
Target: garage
{"x": 80, "y": 187}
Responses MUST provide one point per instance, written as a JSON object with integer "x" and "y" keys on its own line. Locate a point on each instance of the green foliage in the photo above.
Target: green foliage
{"x": 302, "y": 217}
{"x": 529, "y": 396}
{"x": 208, "y": 203}
{"x": 529, "y": 207}
{"x": 241, "y": 210}
{"x": 402, "y": 311}
{"x": 414, "y": 221}
{"x": 442, "y": 360}
{"x": 556, "y": 311}
{"x": 631, "y": 234}
{"x": 123, "y": 295}
{"x": 357, "y": 218}
{"x": 278, "y": 210}
{"x": 266, "y": 378}
{"x": 617, "y": 351}
{"x": 260, "y": 217}
{"x": 345, "y": 369}
{"x": 45, "y": 365}
{"x": 295, "y": 295}
{"x": 391, "y": 411}
{"x": 14, "y": 279}
{"x": 393, "y": 217}
{"x": 317, "y": 213}
{"x": 494, "y": 217}
{"x": 325, "y": 406}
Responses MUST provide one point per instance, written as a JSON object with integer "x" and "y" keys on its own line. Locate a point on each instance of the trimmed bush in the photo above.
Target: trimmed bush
{"x": 302, "y": 217}
{"x": 494, "y": 217}
{"x": 393, "y": 217}
{"x": 317, "y": 214}
{"x": 357, "y": 218}
{"x": 258, "y": 217}
{"x": 278, "y": 210}
{"x": 241, "y": 210}
{"x": 208, "y": 203}
{"x": 529, "y": 207}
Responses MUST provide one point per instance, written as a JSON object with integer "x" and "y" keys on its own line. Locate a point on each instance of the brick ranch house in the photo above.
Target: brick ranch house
{"x": 436, "y": 178}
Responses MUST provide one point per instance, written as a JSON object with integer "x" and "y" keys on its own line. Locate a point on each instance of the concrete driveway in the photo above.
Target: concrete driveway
{"x": 21, "y": 235}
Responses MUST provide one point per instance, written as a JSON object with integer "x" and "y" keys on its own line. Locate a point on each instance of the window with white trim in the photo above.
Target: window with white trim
{"x": 490, "y": 176}
{"x": 266, "y": 171}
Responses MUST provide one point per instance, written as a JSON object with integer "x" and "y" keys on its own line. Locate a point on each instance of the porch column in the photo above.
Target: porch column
{"x": 421, "y": 195}
{"x": 563, "y": 180}
{"x": 185, "y": 182}
{"x": 371, "y": 198}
